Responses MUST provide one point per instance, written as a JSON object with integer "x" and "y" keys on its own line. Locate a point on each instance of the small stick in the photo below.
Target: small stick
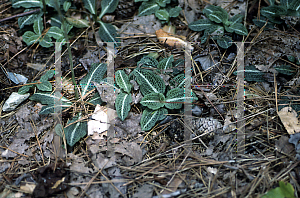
{"x": 20, "y": 15}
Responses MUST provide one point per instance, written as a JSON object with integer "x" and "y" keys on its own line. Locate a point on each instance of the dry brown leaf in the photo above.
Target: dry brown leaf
{"x": 289, "y": 119}
{"x": 170, "y": 39}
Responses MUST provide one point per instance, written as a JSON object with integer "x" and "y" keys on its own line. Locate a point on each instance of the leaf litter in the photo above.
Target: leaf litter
{"x": 133, "y": 163}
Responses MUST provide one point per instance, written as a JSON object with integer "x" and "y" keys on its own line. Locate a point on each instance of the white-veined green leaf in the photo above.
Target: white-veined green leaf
{"x": 24, "y": 89}
{"x": 163, "y": 3}
{"x": 224, "y": 42}
{"x": 174, "y": 12}
{"x": 96, "y": 74}
{"x": 28, "y": 37}
{"x": 238, "y": 18}
{"x": 55, "y": 32}
{"x": 38, "y": 26}
{"x": 55, "y": 21}
{"x": 75, "y": 131}
{"x": 66, "y": 6}
{"x": 44, "y": 86}
{"x": 201, "y": 25}
{"x": 147, "y": 8}
{"x": 90, "y": 5}
{"x": 48, "y": 75}
{"x": 211, "y": 8}
{"x": 28, "y": 19}
{"x": 108, "y": 33}
{"x": 176, "y": 97}
{"x": 260, "y": 23}
{"x": 48, "y": 98}
{"x": 46, "y": 41}
{"x": 27, "y": 3}
{"x": 51, "y": 108}
{"x": 218, "y": 17}
{"x": 162, "y": 15}
{"x": 149, "y": 82}
{"x": 295, "y": 5}
{"x": 122, "y": 81}
{"x": 150, "y": 117}
{"x": 79, "y": 23}
{"x": 153, "y": 101}
{"x": 239, "y": 29}
{"x": 166, "y": 63}
{"x": 178, "y": 81}
{"x": 96, "y": 99}
{"x": 108, "y": 6}
{"x": 273, "y": 11}
{"x": 147, "y": 61}
{"x": 122, "y": 103}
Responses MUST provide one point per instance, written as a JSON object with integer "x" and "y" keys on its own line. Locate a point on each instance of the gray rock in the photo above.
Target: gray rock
{"x": 14, "y": 100}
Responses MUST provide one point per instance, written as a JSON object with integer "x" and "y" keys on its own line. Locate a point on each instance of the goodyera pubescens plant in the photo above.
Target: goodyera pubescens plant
{"x": 157, "y": 97}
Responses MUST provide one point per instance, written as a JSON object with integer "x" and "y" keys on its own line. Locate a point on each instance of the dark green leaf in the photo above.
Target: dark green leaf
{"x": 150, "y": 117}
{"x": 211, "y": 8}
{"x": 46, "y": 41}
{"x": 48, "y": 98}
{"x": 38, "y": 26}
{"x": 96, "y": 99}
{"x": 174, "y": 12}
{"x": 147, "y": 8}
{"x": 90, "y": 5}
{"x": 295, "y": 5}
{"x": 218, "y": 17}
{"x": 166, "y": 63}
{"x": 176, "y": 97}
{"x": 224, "y": 42}
{"x": 55, "y": 32}
{"x": 108, "y": 33}
{"x": 286, "y": 69}
{"x": 123, "y": 105}
{"x": 153, "y": 101}
{"x": 28, "y": 19}
{"x": 273, "y": 11}
{"x": 122, "y": 81}
{"x": 147, "y": 61}
{"x": 51, "y": 108}
{"x": 44, "y": 86}
{"x": 108, "y": 6}
{"x": 27, "y": 3}
{"x": 149, "y": 82}
{"x": 28, "y": 37}
{"x": 79, "y": 23}
{"x": 24, "y": 89}
{"x": 272, "y": 2}
{"x": 48, "y": 75}
{"x": 163, "y": 3}
{"x": 260, "y": 23}
{"x": 238, "y": 18}
{"x": 67, "y": 5}
{"x": 239, "y": 29}
{"x": 75, "y": 131}
{"x": 201, "y": 25}
{"x": 162, "y": 15}
{"x": 95, "y": 74}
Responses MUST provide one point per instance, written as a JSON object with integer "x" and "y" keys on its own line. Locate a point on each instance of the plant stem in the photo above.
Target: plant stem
{"x": 68, "y": 46}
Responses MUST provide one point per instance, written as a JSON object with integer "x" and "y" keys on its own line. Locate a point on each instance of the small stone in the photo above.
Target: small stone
{"x": 14, "y": 100}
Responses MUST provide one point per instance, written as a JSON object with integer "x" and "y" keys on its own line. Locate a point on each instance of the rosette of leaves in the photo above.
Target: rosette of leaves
{"x": 156, "y": 98}
{"x": 107, "y": 32}
{"x": 161, "y": 8}
{"x": 272, "y": 14}
{"x": 37, "y": 35}
{"x": 216, "y": 23}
